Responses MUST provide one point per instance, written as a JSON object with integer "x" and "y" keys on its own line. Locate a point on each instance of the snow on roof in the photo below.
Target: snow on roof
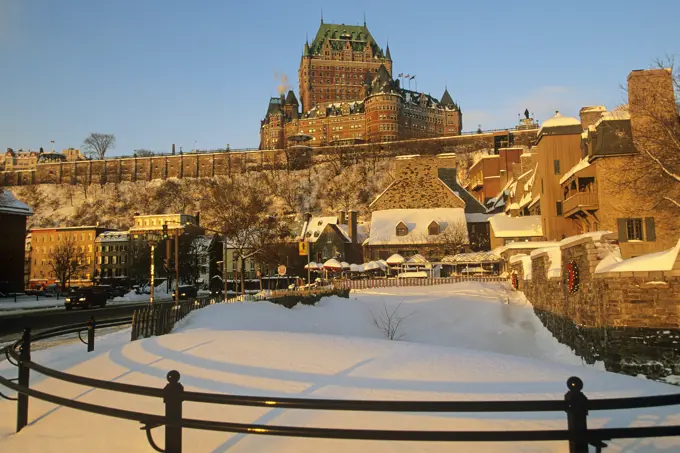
{"x": 504, "y": 226}
{"x": 596, "y": 235}
{"x": 555, "y": 260}
{"x": 362, "y": 231}
{"x": 384, "y": 224}
{"x": 559, "y": 121}
{"x": 113, "y": 236}
{"x": 526, "y": 264}
{"x": 10, "y": 205}
{"x": 594, "y": 108}
{"x": 316, "y": 226}
{"x": 583, "y": 163}
{"x": 475, "y": 217}
{"x": 524, "y": 245}
{"x": 659, "y": 261}
{"x": 407, "y": 157}
{"x": 619, "y": 113}
{"x": 478, "y": 257}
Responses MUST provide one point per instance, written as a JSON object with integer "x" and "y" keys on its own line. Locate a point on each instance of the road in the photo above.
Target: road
{"x": 12, "y": 324}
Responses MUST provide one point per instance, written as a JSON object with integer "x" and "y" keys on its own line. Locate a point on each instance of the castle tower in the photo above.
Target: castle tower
{"x": 332, "y": 67}
{"x": 382, "y": 108}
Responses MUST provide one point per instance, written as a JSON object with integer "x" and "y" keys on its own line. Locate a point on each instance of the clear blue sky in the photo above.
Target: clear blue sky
{"x": 199, "y": 73}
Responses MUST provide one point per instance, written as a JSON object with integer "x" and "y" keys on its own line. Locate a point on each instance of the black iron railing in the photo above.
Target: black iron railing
{"x": 154, "y": 320}
{"x": 575, "y": 404}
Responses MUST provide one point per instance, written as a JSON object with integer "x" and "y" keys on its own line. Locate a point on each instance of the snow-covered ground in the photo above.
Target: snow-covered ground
{"x": 467, "y": 341}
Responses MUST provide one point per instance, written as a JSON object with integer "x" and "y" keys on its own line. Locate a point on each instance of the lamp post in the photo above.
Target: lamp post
{"x": 152, "y": 238}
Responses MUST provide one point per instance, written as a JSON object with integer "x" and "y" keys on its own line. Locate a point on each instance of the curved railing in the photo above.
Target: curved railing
{"x": 575, "y": 404}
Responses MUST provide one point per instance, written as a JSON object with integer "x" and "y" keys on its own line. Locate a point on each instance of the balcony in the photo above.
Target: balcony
{"x": 580, "y": 201}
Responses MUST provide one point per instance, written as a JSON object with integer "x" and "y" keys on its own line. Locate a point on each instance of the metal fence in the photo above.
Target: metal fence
{"x": 575, "y": 404}
{"x": 401, "y": 282}
{"x": 160, "y": 319}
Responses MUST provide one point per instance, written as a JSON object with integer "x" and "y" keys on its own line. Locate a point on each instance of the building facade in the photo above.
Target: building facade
{"x": 13, "y": 215}
{"x": 112, "y": 255}
{"x": 46, "y": 242}
{"x": 349, "y": 95}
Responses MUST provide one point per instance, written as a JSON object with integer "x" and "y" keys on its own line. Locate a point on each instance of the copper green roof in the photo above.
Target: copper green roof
{"x": 338, "y": 34}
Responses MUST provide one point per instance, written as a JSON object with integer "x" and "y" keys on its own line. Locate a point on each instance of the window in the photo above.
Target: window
{"x": 558, "y": 205}
{"x": 402, "y": 229}
{"x": 433, "y": 229}
{"x": 634, "y": 229}
{"x": 556, "y": 164}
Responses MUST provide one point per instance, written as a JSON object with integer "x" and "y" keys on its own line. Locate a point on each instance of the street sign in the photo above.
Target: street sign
{"x": 303, "y": 247}
{"x": 282, "y": 269}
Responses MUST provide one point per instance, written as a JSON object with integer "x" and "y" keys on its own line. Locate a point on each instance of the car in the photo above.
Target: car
{"x": 185, "y": 292}
{"x": 86, "y": 298}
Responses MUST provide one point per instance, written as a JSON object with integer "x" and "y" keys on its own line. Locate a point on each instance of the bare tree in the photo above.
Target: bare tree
{"x": 96, "y": 144}
{"x": 143, "y": 153}
{"x": 66, "y": 260}
{"x": 239, "y": 207}
{"x": 390, "y": 322}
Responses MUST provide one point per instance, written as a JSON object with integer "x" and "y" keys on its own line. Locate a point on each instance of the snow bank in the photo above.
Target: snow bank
{"x": 468, "y": 341}
{"x": 526, "y": 263}
{"x": 554, "y": 260}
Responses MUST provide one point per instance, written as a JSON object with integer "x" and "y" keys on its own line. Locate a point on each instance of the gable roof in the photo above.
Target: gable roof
{"x": 449, "y": 178}
{"x": 384, "y": 223}
{"x": 10, "y": 205}
{"x": 504, "y": 226}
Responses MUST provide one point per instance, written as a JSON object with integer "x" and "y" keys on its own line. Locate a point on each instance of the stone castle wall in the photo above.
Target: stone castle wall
{"x": 225, "y": 163}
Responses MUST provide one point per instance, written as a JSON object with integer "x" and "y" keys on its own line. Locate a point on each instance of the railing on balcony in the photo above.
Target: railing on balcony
{"x": 580, "y": 201}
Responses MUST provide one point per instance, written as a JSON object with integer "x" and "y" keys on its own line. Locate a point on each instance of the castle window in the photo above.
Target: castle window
{"x": 402, "y": 229}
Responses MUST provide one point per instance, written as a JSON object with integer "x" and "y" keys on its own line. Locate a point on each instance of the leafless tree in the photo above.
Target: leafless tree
{"x": 390, "y": 322}
{"x": 143, "y": 153}
{"x": 66, "y": 260}
{"x": 96, "y": 144}
{"x": 239, "y": 207}
{"x": 452, "y": 239}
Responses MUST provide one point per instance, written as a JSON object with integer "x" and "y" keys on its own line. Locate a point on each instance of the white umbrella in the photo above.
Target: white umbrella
{"x": 345, "y": 265}
{"x": 382, "y": 264}
{"x": 395, "y": 259}
{"x": 333, "y": 265}
{"x": 311, "y": 265}
{"x": 356, "y": 267}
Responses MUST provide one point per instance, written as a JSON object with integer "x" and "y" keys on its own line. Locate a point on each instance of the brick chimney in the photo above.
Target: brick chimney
{"x": 352, "y": 226}
{"x": 342, "y": 217}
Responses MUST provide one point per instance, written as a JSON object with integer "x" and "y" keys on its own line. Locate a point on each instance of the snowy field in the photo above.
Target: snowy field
{"x": 466, "y": 341}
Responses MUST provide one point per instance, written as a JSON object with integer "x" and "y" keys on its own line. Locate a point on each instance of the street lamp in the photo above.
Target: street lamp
{"x": 153, "y": 238}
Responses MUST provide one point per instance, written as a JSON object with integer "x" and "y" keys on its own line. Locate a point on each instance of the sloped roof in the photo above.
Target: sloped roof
{"x": 558, "y": 120}
{"x": 384, "y": 223}
{"x": 446, "y": 98}
{"x": 312, "y": 230}
{"x": 504, "y": 226}
{"x": 10, "y": 205}
{"x": 478, "y": 257}
{"x": 337, "y": 35}
{"x": 291, "y": 99}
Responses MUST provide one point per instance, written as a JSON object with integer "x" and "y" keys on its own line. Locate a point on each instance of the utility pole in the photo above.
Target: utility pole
{"x": 177, "y": 268}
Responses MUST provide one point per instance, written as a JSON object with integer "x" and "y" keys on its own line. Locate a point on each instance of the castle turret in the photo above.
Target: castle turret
{"x": 382, "y": 108}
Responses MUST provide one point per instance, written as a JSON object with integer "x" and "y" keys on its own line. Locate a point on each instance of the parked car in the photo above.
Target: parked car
{"x": 86, "y": 298}
{"x": 118, "y": 291}
{"x": 185, "y": 292}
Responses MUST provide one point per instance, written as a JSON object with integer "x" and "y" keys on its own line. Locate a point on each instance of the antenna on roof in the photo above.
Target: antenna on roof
{"x": 322, "y": 15}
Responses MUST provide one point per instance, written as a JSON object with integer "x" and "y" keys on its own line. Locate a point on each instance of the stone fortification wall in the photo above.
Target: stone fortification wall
{"x": 191, "y": 165}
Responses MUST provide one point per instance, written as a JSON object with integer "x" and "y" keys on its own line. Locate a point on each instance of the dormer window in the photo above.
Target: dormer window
{"x": 433, "y": 229}
{"x": 320, "y": 222}
{"x": 402, "y": 229}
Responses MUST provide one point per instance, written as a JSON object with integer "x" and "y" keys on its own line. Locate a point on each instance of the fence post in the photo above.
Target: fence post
{"x": 90, "y": 334}
{"x": 24, "y": 379}
{"x": 133, "y": 329}
{"x": 173, "y": 394}
{"x": 577, "y": 413}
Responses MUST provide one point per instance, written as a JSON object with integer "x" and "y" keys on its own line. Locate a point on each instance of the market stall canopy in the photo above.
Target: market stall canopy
{"x": 475, "y": 270}
{"x": 472, "y": 258}
{"x": 371, "y": 266}
{"x": 356, "y": 267}
{"x": 312, "y": 266}
{"x": 395, "y": 259}
{"x": 345, "y": 265}
{"x": 332, "y": 264}
{"x": 417, "y": 259}
{"x": 382, "y": 264}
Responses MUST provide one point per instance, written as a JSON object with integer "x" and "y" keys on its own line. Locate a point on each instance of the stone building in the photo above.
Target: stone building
{"x": 334, "y": 237}
{"x": 13, "y": 215}
{"x": 491, "y": 172}
{"x": 45, "y": 242}
{"x": 426, "y": 208}
{"x": 112, "y": 255}
{"x": 349, "y": 95}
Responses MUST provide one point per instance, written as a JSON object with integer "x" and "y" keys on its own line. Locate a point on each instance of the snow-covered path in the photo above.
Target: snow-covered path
{"x": 453, "y": 339}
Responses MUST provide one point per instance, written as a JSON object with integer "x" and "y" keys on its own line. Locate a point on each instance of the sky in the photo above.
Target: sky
{"x": 200, "y": 73}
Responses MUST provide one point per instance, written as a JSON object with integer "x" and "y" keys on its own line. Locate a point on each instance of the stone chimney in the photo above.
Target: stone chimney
{"x": 173, "y": 149}
{"x": 650, "y": 92}
{"x": 352, "y": 226}
{"x": 308, "y": 217}
{"x": 342, "y": 218}
{"x": 590, "y": 114}
{"x": 198, "y": 219}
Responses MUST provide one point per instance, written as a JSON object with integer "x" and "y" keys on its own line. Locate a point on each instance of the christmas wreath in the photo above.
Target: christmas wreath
{"x": 572, "y": 277}
{"x": 515, "y": 280}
